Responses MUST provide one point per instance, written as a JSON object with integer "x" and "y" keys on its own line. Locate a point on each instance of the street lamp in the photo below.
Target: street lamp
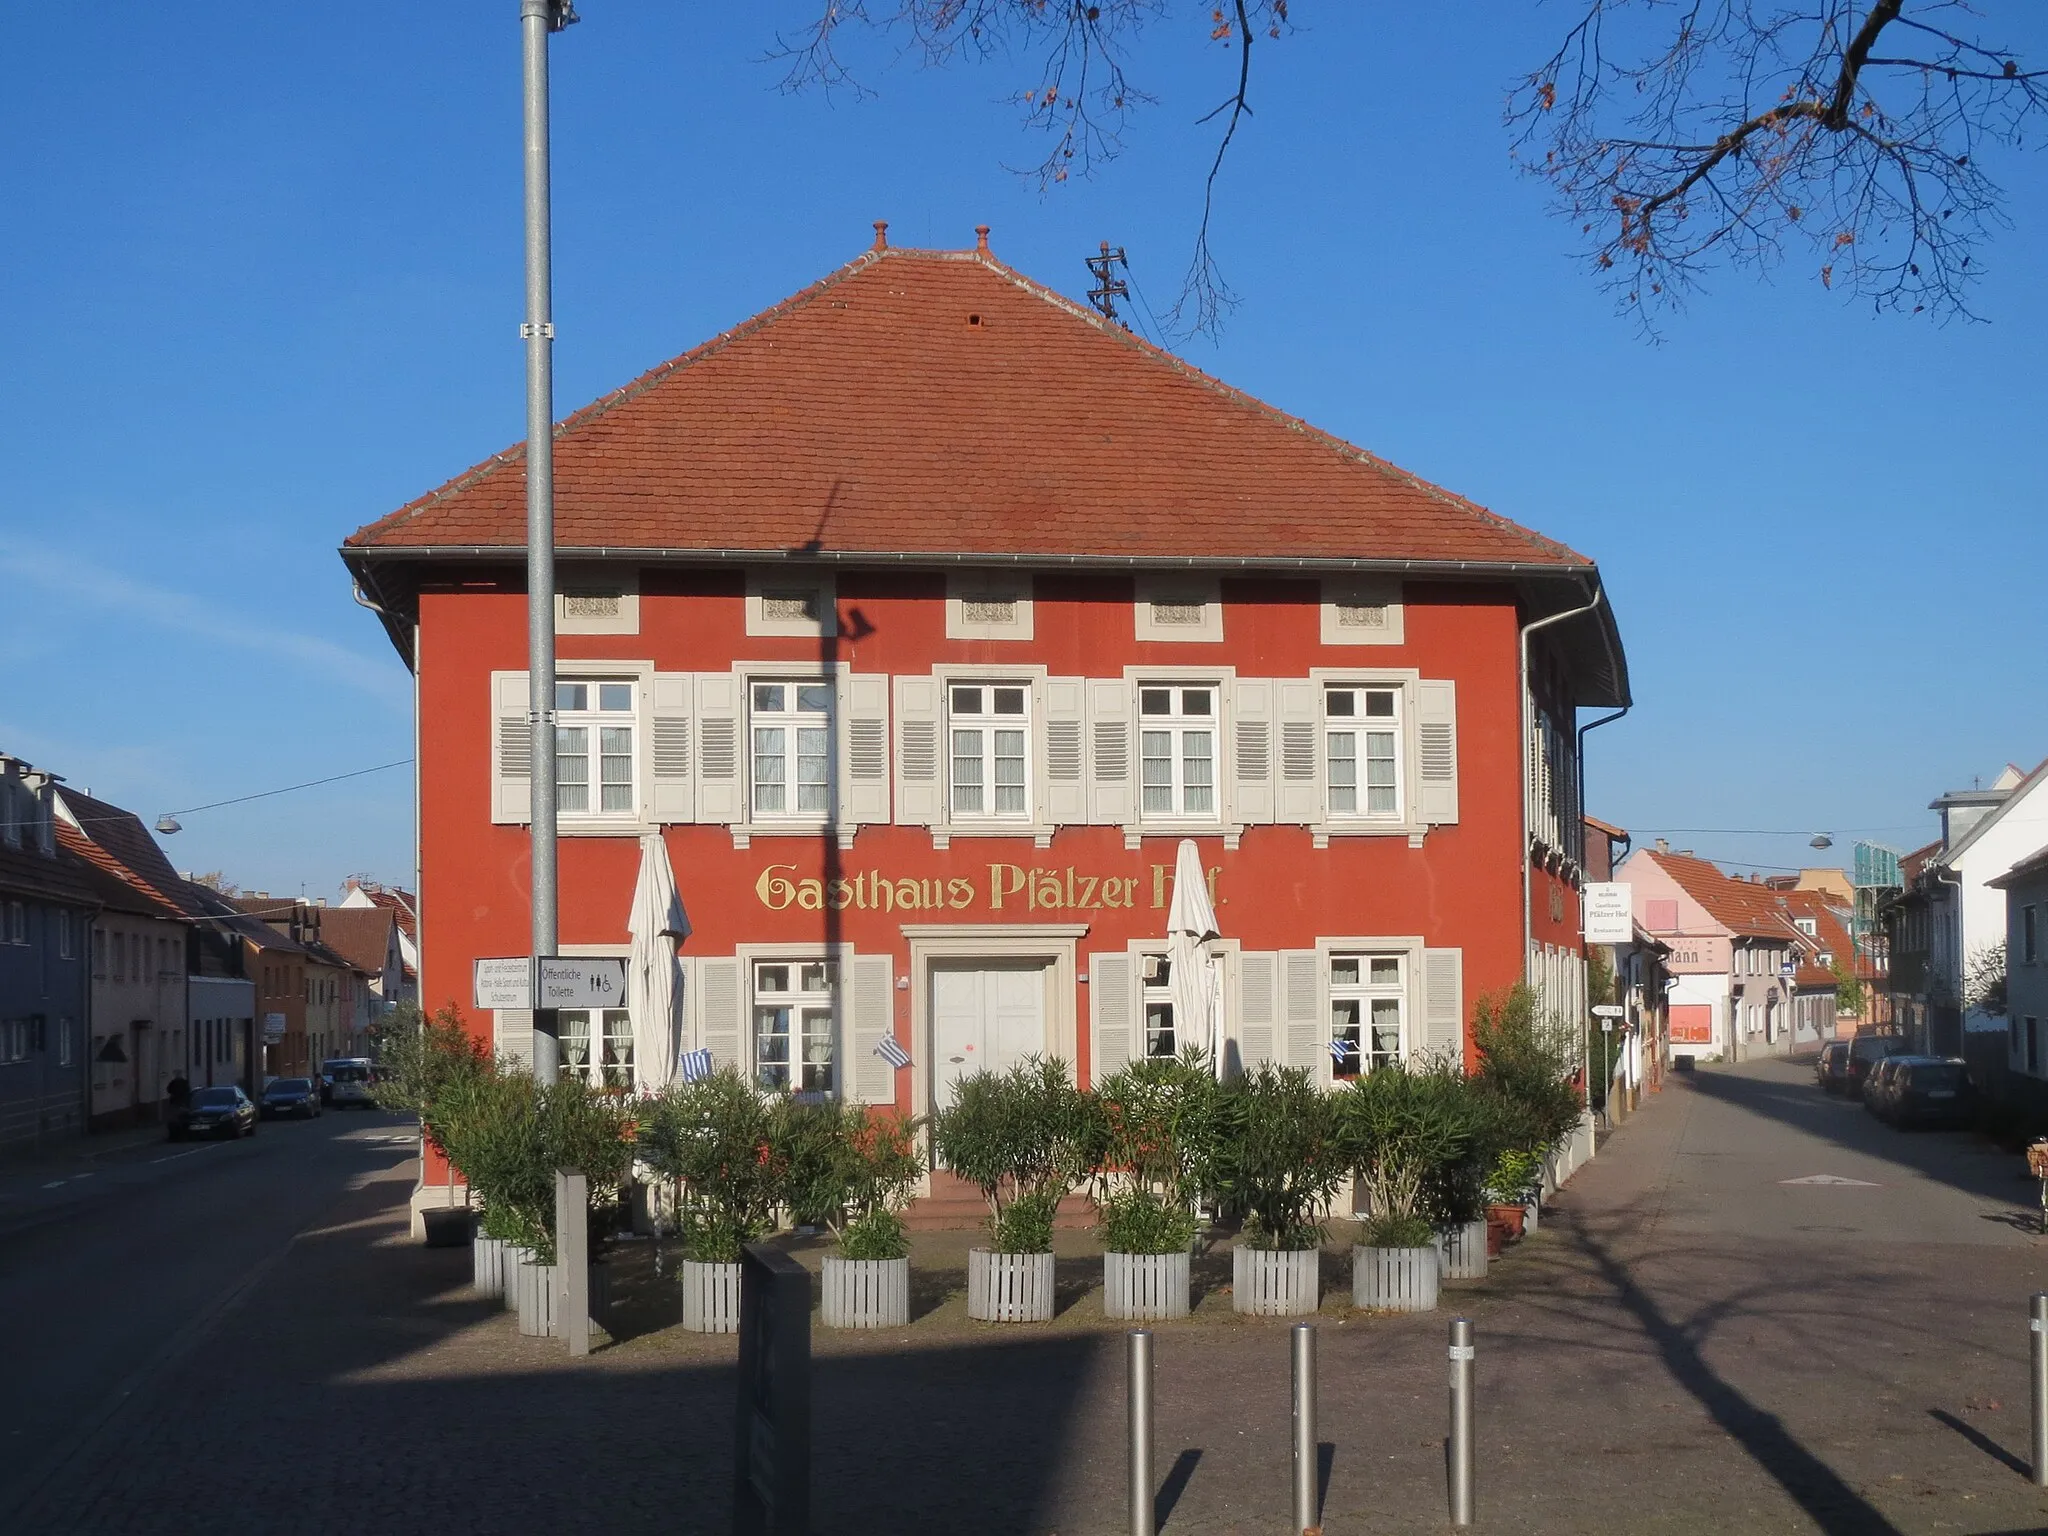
{"x": 1820, "y": 840}
{"x": 167, "y": 824}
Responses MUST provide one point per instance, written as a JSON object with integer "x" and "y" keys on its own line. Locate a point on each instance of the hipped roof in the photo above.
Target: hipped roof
{"x": 938, "y": 406}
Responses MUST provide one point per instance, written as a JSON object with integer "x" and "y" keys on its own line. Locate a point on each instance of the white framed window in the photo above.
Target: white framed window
{"x": 1368, "y": 1012}
{"x": 1162, "y": 1039}
{"x": 14, "y": 1040}
{"x": 989, "y": 750}
{"x": 1806, "y": 925}
{"x": 63, "y": 1042}
{"x": 988, "y": 606}
{"x": 798, "y": 603}
{"x": 594, "y": 751}
{"x": 796, "y": 1025}
{"x": 2029, "y": 939}
{"x": 1361, "y": 610}
{"x": 597, "y": 1045}
{"x": 1177, "y": 736}
{"x": 1362, "y": 737}
{"x": 1179, "y": 607}
{"x": 17, "y": 923}
{"x": 63, "y": 935}
{"x": 790, "y": 739}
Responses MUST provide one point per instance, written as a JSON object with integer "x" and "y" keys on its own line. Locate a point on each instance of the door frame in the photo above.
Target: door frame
{"x": 1052, "y": 945}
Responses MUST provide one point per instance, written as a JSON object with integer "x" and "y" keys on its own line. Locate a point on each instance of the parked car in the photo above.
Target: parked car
{"x": 1932, "y": 1091}
{"x": 226, "y": 1112}
{"x": 1865, "y": 1052}
{"x": 289, "y": 1096}
{"x": 345, "y": 1080}
{"x": 1831, "y": 1071}
{"x": 1877, "y": 1084}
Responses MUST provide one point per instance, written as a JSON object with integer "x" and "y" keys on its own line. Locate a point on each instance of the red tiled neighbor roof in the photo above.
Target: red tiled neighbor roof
{"x": 1752, "y": 911}
{"x": 939, "y": 403}
{"x": 360, "y": 935}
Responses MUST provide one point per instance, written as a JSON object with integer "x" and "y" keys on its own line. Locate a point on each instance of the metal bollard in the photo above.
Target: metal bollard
{"x": 1459, "y": 1451}
{"x": 1305, "y": 1428}
{"x": 1138, "y": 1392}
{"x": 2037, "y": 1374}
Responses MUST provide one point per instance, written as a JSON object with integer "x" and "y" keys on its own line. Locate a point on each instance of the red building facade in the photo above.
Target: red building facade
{"x": 923, "y": 617}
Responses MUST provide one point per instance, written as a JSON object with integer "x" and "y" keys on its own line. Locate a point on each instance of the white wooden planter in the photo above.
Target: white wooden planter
{"x": 1009, "y": 1287}
{"x": 866, "y": 1293}
{"x": 1276, "y": 1282}
{"x": 1145, "y": 1285}
{"x": 1394, "y": 1279}
{"x": 535, "y": 1284}
{"x": 1462, "y": 1251}
{"x": 1535, "y": 1209}
{"x": 487, "y": 1266}
{"x": 711, "y": 1297}
{"x": 510, "y": 1258}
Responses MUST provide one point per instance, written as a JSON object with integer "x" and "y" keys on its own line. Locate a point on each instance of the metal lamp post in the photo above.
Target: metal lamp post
{"x": 538, "y": 18}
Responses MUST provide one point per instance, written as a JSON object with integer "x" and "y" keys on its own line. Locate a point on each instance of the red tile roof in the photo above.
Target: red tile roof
{"x": 1745, "y": 909}
{"x": 118, "y": 887}
{"x": 1830, "y": 937}
{"x": 401, "y": 904}
{"x": 360, "y": 935}
{"x": 940, "y": 403}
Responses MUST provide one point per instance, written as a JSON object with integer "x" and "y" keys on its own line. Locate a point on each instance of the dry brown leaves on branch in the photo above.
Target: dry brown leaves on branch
{"x": 1680, "y": 135}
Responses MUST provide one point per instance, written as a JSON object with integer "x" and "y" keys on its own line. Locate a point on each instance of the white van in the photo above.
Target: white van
{"x": 345, "y": 1080}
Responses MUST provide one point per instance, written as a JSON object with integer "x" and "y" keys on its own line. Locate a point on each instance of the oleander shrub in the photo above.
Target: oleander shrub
{"x": 1154, "y": 1153}
{"x": 1279, "y": 1156}
{"x": 711, "y": 1141}
{"x": 1023, "y": 1138}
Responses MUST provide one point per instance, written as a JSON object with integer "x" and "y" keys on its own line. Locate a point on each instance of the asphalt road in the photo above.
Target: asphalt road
{"x": 113, "y": 1270}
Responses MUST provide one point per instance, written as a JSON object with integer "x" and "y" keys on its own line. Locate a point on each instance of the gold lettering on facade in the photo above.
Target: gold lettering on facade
{"x": 1011, "y": 888}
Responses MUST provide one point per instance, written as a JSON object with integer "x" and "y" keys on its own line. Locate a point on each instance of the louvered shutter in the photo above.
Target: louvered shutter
{"x": 1443, "y": 1004}
{"x": 1301, "y": 998}
{"x": 1252, "y": 725}
{"x": 1112, "y": 767}
{"x": 718, "y": 1010}
{"x": 1109, "y": 1012}
{"x": 863, "y": 750}
{"x": 672, "y": 705}
{"x": 1300, "y": 795}
{"x": 1257, "y": 972}
{"x": 512, "y": 1034}
{"x": 868, "y": 1078}
{"x": 721, "y": 785}
{"x": 511, "y": 749}
{"x": 1066, "y": 730}
{"x": 1436, "y": 752}
{"x": 920, "y": 790}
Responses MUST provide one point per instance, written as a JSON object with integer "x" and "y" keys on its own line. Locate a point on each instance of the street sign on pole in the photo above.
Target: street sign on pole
{"x": 1609, "y": 1011}
{"x": 504, "y": 983}
{"x": 575, "y": 981}
{"x": 1610, "y": 915}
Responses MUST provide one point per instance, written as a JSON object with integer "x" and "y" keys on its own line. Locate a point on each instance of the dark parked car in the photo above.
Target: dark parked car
{"x": 1865, "y": 1052}
{"x": 1831, "y": 1071}
{"x": 227, "y": 1112}
{"x": 290, "y": 1096}
{"x": 1877, "y": 1084}
{"x": 1931, "y": 1090}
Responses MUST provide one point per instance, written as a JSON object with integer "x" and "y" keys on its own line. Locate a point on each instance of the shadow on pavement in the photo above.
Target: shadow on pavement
{"x": 1979, "y": 1439}
{"x": 1176, "y": 1484}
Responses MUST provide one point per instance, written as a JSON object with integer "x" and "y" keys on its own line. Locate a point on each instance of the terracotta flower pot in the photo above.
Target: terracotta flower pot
{"x": 1509, "y": 1217}
{"x": 1496, "y": 1238}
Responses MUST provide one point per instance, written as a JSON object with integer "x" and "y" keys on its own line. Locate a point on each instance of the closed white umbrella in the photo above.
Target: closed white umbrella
{"x": 1190, "y": 924}
{"x": 654, "y": 974}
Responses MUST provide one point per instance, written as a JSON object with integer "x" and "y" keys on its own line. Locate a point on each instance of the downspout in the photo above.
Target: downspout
{"x": 1522, "y": 703}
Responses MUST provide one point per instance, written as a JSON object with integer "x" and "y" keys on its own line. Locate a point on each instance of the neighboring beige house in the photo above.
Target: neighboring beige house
{"x": 404, "y": 908}
{"x": 369, "y": 938}
{"x": 337, "y": 1001}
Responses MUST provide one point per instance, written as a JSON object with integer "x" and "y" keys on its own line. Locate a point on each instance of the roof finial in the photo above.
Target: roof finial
{"x": 981, "y": 238}
{"x": 881, "y": 234}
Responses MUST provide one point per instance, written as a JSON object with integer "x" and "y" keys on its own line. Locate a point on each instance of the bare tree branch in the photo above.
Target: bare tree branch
{"x": 1203, "y": 293}
{"x": 1715, "y": 132}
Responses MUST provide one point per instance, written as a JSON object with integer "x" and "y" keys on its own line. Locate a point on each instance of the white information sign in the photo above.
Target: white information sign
{"x": 582, "y": 983}
{"x": 1609, "y": 912}
{"x": 273, "y": 1027}
{"x": 506, "y": 983}
{"x": 1609, "y": 1011}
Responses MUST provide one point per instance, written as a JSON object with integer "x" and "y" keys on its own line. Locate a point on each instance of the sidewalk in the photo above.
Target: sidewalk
{"x": 34, "y": 1188}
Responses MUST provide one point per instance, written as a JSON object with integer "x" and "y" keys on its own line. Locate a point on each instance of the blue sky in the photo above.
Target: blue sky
{"x": 262, "y": 268}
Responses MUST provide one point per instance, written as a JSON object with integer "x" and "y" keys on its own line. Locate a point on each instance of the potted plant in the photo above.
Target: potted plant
{"x": 851, "y": 1171}
{"x": 1155, "y": 1125}
{"x": 1278, "y": 1160}
{"x": 1022, "y": 1138}
{"x": 424, "y": 1065}
{"x": 1402, "y": 1129}
{"x": 711, "y": 1141}
{"x": 1525, "y": 1071}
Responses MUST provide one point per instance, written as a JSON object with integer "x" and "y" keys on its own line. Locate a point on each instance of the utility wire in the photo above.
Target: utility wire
{"x": 265, "y": 794}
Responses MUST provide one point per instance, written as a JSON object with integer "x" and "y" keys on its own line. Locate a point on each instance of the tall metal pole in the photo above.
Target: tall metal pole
{"x": 1138, "y": 1392}
{"x": 2037, "y": 1385}
{"x": 1458, "y": 1454}
{"x": 537, "y": 18}
{"x": 1304, "y": 1338}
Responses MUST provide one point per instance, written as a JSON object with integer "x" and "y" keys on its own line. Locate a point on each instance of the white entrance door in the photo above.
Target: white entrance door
{"x": 984, "y": 1016}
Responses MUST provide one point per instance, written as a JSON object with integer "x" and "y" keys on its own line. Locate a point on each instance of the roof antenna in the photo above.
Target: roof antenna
{"x": 1107, "y": 289}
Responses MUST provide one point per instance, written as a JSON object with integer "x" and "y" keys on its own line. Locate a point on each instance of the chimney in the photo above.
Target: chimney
{"x": 981, "y": 238}
{"x": 881, "y": 234}
{"x": 1663, "y": 846}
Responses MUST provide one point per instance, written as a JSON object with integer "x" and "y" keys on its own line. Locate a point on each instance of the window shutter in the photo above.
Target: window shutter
{"x": 863, "y": 750}
{"x": 1300, "y": 795}
{"x": 511, "y": 749}
{"x": 1066, "y": 727}
{"x": 1256, "y": 973}
{"x": 1443, "y": 1004}
{"x": 1252, "y": 712}
{"x": 1436, "y": 752}
{"x": 1109, "y": 1012}
{"x": 1300, "y": 993}
{"x": 869, "y": 1079}
{"x": 920, "y": 788}
{"x": 721, "y": 786}
{"x": 1112, "y": 770}
{"x": 512, "y": 1034}
{"x": 673, "y": 700}
{"x": 718, "y": 1010}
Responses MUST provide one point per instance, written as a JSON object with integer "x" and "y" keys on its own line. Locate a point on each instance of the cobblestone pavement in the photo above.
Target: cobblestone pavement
{"x": 1689, "y": 1344}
